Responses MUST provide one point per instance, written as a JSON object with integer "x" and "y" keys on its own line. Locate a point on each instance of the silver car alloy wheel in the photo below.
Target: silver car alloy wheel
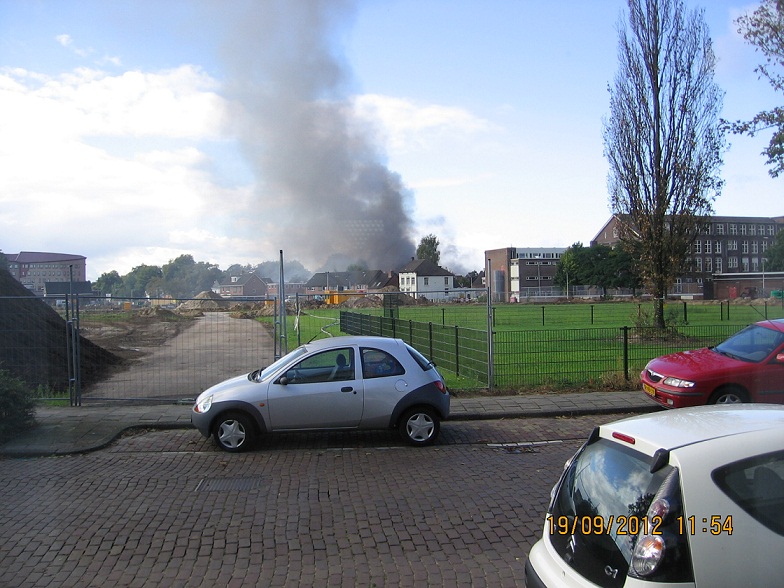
{"x": 420, "y": 427}
{"x": 231, "y": 434}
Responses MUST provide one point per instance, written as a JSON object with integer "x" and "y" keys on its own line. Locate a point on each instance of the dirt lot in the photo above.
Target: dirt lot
{"x": 132, "y": 335}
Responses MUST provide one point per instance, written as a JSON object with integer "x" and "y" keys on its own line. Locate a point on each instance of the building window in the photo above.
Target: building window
{"x": 718, "y": 246}
{"x": 720, "y": 229}
{"x": 752, "y": 230}
{"x": 708, "y": 246}
{"x": 446, "y": 280}
{"x": 744, "y": 247}
{"x": 733, "y": 229}
{"x": 732, "y": 262}
{"x": 755, "y": 264}
{"x": 427, "y": 281}
{"x": 732, "y": 245}
{"x": 755, "y": 247}
{"x": 698, "y": 262}
{"x": 718, "y": 265}
{"x": 698, "y": 247}
{"x": 771, "y": 230}
{"x": 743, "y": 229}
{"x": 708, "y": 264}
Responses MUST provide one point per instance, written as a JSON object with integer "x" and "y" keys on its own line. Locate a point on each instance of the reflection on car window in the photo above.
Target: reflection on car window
{"x": 272, "y": 368}
{"x": 335, "y": 365}
{"x": 379, "y": 364}
{"x": 754, "y": 343}
{"x": 757, "y": 486}
{"x": 605, "y": 480}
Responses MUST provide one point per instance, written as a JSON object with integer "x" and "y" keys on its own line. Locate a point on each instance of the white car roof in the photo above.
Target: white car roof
{"x": 670, "y": 429}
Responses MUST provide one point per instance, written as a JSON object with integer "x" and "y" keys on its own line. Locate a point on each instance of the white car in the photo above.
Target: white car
{"x": 341, "y": 383}
{"x": 687, "y": 497}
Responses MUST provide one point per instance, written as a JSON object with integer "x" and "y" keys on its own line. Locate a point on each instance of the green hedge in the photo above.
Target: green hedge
{"x": 17, "y": 406}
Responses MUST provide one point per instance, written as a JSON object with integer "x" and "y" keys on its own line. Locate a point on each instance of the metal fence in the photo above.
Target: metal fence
{"x": 462, "y": 351}
{"x": 137, "y": 349}
{"x": 596, "y": 356}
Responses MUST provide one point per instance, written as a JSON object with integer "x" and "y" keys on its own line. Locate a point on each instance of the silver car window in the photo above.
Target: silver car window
{"x": 379, "y": 364}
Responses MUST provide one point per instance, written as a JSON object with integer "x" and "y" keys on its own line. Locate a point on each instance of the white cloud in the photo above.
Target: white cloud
{"x": 110, "y": 166}
{"x": 407, "y": 124}
{"x": 67, "y": 42}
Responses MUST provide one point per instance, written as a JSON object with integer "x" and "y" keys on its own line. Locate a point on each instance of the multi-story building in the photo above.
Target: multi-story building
{"x": 517, "y": 273}
{"x": 727, "y": 255}
{"x": 33, "y": 268}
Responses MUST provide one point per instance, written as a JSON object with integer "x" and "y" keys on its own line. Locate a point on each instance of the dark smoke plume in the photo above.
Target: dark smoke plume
{"x": 324, "y": 195}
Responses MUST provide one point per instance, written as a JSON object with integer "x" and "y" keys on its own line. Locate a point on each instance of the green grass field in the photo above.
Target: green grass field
{"x": 559, "y": 346}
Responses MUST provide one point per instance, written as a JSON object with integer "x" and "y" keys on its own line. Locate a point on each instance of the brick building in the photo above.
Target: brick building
{"x": 729, "y": 245}
{"x": 34, "y": 268}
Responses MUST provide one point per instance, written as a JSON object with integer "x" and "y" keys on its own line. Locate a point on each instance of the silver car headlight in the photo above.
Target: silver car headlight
{"x": 203, "y": 404}
{"x": 678, "y": 383}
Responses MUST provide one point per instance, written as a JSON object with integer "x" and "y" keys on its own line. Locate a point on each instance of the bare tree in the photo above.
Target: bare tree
{"x": 662, "y": 138}
{"x": 764, "y": 28}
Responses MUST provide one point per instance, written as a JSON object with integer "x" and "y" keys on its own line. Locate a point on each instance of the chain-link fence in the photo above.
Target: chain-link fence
{"x": 159, "y": 350}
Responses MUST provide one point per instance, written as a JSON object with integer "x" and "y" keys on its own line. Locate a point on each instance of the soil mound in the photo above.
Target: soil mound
{"x": 33, "y": 341}
{"x": 207, "y": 300}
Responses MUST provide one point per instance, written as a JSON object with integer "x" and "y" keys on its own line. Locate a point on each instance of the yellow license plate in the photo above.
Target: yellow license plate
{"x": 650, "y": 390}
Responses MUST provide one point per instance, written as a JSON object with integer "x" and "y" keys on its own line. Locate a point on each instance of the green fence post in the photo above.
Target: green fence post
{"x": 430, "y": 336}
{"x": 625, "y": 352}
{"x": 457, "y": 350}
{"x": 542, "y": 315}
{"x": 591, "y": 313}
{"x": 685, "y": 314}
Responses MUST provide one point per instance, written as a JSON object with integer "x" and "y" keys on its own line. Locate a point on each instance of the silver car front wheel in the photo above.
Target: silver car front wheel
{"x": 234, "y": 432}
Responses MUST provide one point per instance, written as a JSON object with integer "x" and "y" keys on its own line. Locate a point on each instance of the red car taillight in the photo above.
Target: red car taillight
{"x": 441, "y": 386}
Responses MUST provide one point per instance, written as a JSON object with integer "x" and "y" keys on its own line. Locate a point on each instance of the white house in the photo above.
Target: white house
{"x": 421, "y": 277}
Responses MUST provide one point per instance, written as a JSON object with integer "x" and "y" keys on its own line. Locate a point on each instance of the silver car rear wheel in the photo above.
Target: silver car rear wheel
{"x": 420, "y": 426}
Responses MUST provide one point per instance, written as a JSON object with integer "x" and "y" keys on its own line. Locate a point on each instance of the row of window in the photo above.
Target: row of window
{"x": 750, "y": 229}
{"x": 709, "y": 247}
{"x": 714, "y": 265}
{"x": 411, "y": 281}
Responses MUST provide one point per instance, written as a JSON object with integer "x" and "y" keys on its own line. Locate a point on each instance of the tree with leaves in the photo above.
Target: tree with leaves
{"x": 428, "y": 249}
{"x": 109, "y": 283}
{"x": 662, "y": 139}
{"x": 764, "y": 29}
{"x": 774, "y": 256}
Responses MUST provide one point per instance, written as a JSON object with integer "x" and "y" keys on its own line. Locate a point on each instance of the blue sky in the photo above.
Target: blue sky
{"x": 134, "y": 131}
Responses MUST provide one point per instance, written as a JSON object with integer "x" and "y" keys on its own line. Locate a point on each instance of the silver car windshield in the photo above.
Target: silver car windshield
{"x": 289, "y": 357}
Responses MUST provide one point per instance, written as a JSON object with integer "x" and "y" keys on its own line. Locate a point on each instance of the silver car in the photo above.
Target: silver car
{"x": 338, "y": 383}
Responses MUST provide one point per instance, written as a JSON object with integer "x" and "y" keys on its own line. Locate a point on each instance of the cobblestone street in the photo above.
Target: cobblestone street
{"x": 168, "y": 508}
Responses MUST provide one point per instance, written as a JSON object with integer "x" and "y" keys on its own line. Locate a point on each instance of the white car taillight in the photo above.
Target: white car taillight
{"x": 648, "y": 554}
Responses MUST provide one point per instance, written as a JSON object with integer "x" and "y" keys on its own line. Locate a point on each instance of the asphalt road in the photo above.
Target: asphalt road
{"x": 358, "y": 509}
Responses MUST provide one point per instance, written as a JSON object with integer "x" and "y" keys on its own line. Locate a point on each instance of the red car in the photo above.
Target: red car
{"x": 747, "y": 367}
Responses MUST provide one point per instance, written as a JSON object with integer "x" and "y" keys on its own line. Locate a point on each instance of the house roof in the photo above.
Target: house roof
{"x": 42, "y": 257}
{"x": 424, "y": 267}
{"x": 243, "y": 280}
{"x": 63, "y": 288}
{"x": 372, "y": 279}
